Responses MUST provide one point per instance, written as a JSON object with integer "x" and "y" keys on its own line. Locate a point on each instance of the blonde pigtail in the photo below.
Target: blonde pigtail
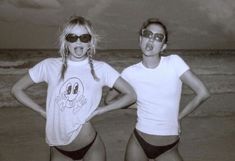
{"x": 92, "y": 66}
{"x": 64, "y": 61}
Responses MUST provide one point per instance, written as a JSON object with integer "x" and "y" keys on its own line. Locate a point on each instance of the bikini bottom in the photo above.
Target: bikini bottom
{"x": 150, "y": 150}
{"x": 77, "y": 154}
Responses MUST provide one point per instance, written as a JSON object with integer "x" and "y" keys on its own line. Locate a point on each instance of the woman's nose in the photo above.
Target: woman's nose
{"x": 151, "y": 39}
{"x": 78, "y": 42}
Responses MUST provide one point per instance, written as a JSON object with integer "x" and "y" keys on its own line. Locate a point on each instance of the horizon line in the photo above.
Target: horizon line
{"x": 52, "y": 49}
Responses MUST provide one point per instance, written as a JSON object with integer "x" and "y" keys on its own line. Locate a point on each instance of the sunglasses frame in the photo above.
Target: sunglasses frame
{"x": 155, "y": 36}
{"x": 73, "y": 38}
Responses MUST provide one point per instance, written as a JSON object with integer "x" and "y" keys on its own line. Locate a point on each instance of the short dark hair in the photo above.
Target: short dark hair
{"x": 157, "y": 22}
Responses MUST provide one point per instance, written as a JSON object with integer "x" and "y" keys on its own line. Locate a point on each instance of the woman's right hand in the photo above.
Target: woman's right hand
{"x": 19, "y": 93}
{"x": 43, "y": 114}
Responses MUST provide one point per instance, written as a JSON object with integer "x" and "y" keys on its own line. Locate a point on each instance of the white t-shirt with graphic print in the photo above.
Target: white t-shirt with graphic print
{"x": 71, "y": 101}
{"x": 158, "y": 94}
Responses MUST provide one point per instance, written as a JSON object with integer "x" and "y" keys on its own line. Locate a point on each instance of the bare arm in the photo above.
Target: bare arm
{"x": 111, "y": 96}
{"x": 126, "y": 98}
{"x": 18, "y": 91}
{"x": 190, "y": 79}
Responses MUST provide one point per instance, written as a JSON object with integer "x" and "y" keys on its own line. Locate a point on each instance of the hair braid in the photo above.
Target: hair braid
{"x": 64, "y": 60}
{"x": 92, "y": 66}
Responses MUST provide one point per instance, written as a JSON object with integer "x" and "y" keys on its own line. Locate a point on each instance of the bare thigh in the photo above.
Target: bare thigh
{"x": 57, "y": 156}
{"x": 170, "y": 155}
{"x": 97, "y": 151}
{"x": 134, "y": 151}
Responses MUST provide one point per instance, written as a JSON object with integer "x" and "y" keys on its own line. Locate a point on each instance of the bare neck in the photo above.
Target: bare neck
{"x": 151, "y": 61}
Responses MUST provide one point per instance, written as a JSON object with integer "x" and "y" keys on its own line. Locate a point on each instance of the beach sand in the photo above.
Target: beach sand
{"x": 207, "y": 134}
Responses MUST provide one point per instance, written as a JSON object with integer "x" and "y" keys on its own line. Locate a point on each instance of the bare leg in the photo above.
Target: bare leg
{"x": 171, "y": 155}
{"x": 134, "y": 151}
{"x": 57, "y": 156}
{"x": 96, "y": 151}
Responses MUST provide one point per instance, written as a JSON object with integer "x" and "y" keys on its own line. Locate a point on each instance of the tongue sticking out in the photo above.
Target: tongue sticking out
{"x": 149, "y": 47}
{"x": 78, "y": 49}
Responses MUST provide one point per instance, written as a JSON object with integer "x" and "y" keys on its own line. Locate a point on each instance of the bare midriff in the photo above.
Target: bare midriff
{"x": 85, "y": 137}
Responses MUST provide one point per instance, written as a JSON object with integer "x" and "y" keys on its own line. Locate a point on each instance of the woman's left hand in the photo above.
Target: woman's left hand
{"x": 179, "y": 127}
{"x": 98, "y": 111}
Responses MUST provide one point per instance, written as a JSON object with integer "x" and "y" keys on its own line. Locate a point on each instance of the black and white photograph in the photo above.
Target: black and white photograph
{"x": 117, "y": 80}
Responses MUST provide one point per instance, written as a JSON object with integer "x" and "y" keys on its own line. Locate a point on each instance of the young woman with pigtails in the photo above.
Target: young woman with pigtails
{"x": 75, "y": 83}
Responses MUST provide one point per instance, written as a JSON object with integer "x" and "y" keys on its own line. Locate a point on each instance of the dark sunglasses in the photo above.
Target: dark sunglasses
{"x": 85, "y": 38}
{"x": 148, "y": 34}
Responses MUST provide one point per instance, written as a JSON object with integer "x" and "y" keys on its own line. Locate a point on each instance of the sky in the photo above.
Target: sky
{"x": 192, "y": 24}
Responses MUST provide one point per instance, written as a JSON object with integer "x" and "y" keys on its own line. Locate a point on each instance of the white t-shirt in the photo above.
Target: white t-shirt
{"x": 158, "y": 94}
{"x": 70, "y": 101}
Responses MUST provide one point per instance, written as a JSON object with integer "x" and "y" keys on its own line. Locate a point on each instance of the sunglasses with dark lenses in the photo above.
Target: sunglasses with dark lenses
{"x": 85, "y": 38}
{"x": 148, "y": 34}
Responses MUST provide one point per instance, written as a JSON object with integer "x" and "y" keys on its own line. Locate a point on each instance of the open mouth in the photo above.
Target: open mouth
{"x": 149, "y": 47}
{"x": 78, "y": 49}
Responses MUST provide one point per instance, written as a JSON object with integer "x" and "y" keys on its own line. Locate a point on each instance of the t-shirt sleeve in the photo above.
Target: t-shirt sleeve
{"x": 179, "y": 65}
{"x": 110, "y": 75}
{"x": 124, "y": 74}
{"x": 38, "y": 72}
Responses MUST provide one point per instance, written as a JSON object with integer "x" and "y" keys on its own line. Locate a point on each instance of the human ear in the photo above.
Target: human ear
{"x": 164, "y": 47}
{"x": 140, "y": 38}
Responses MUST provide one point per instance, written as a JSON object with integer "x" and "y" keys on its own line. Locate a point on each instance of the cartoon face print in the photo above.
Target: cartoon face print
{"x": 71, "y": 95}
{"x": 72, "y": 91}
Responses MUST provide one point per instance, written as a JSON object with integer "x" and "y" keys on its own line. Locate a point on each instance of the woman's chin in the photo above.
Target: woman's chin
{"x": 77, "y": 57}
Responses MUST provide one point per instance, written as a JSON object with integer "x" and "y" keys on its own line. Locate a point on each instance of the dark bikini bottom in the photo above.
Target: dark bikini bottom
{"x": 77, "y": 154}
{"x": 153, "y": 151}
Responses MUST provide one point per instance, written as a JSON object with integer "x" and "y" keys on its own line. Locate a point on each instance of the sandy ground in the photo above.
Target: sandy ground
{"x": 208, "y": 133}
{"x": 203, "y": 138}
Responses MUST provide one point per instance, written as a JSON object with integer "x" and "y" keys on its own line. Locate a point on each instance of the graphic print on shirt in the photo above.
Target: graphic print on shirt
{"x": 71, "y": 95}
